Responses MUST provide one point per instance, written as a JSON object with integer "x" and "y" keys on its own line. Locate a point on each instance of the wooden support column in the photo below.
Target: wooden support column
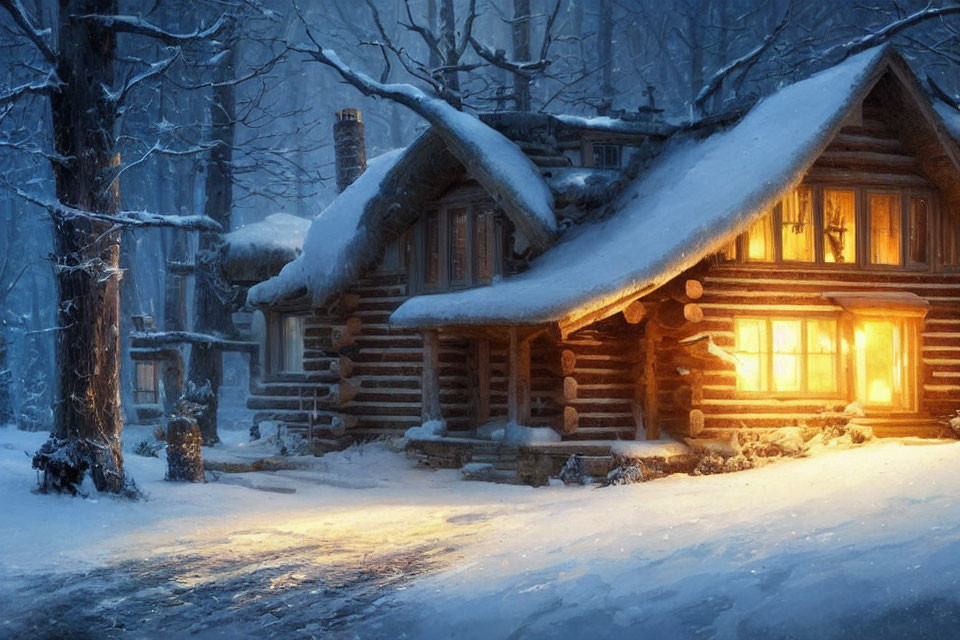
{"x": 430, "y": 377}
{"x": 483, "y": 381}
{"x": 651, "y": 417}
{"x": 518, "y": 391}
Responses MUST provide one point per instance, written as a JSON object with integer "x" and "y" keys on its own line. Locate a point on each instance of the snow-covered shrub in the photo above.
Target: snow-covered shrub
{"x": 627, "y": 474}
{"x": 429, "y": 430}
{"x": 148, "y": 448}
{"x": 572, "y": 472}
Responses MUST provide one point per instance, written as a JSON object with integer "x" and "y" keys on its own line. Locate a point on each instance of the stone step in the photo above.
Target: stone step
{"x": 484, "y": 472}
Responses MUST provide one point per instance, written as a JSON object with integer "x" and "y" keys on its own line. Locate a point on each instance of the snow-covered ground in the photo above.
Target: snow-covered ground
{"x": 863, "y": 543}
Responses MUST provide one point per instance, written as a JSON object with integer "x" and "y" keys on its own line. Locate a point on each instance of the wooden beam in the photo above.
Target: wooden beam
{"x": 568, "y": 362}
{"x": 518, "y": 392}
{"x": 651, "y": 418}
{"x": 569, "y": 420}
{"x": 430, "y": 377}
{"x": 483, "y": 381}
{"x": 633, "y": 313}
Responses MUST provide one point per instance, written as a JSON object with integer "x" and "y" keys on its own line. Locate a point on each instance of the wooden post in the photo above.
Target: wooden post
{"x": 483, "y": 381}
{"x": 430, "y": 377}
{"x": 518, "y": 391}
{"x": 651, "y": 418}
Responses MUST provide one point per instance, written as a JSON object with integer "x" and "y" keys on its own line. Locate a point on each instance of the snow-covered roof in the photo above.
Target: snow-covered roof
{"x": 950, "y": 116}
{"x": 257, "y": 251}
{"x": 331, "y": 238}
{"x": 691, "y": 201}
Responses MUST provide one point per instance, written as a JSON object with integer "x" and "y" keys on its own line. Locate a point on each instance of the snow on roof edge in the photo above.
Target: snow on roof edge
{"x": 332, "y": 234}
{"x": 545, "y": 293}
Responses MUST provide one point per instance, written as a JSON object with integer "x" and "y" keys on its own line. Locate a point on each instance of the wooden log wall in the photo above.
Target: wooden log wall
{"x": 364, "y": 375}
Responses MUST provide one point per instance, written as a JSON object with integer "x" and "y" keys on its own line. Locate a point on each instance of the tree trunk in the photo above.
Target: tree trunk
{"x": 448, "y": 49}
{"x": 88, "y": 419}
{"x": 212, "y": 312}
{"x": 521, "y": 52}
{"x": 605, "y": 36}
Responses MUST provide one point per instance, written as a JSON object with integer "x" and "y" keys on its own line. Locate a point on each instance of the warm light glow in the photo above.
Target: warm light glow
{"x": 793, "y": 356}
{"x": 760, "y": 239}
{"x": 796, "y": 229}
{"x": 885, "y": 228}
{"x": 879, "y": 361}
{"x": 839, "y": 225}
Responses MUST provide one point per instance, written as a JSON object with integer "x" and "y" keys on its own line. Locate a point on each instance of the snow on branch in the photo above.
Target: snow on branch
{"x": 155, "y": 69}
{"x": 848, "y": 49}
{"x": 747, "y": 59}
{"x": 143, "y": 339}
{"x": 496, "y": 162}
{"x": 525, "y": 68}
{"x": 138, "y": 26}
{"x": 48, "y": 85}
{"x": 20, "y": 16}
{"x": 140, "y": 219}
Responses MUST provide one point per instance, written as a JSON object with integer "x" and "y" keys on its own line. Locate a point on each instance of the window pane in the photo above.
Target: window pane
{"x": 950, "y": 247}
{"x": 919, "y": 206}
{"x": 458, "y": 245}
{"x": 292, "y": 347}
{"x": 839, "y": 225}
{"x": 760, "y": 239}
{"x": 787, "y": 355}
{"x": 884, "y": 211}
{"x": 431, "y": 248}
{"x": 796, "y": 231}
{"x": 729, "y": 253}
{"x": 606, "y": 156}
{"x": 751, "y": 339}
{"x": 483, "y": 245}
{"x": 821, "y": 356}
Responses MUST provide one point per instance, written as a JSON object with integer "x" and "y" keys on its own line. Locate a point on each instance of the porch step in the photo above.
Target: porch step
{"x": 903, "y": 426}
{"x": 486, "y": 472}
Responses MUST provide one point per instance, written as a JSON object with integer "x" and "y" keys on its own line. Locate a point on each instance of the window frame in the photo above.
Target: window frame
{"x": 155, "y": 391}
{"x": 803, "y": 393}
{"x": 934, "y": 233}
{"x": 445, "y": 210}
{"x": 275, "y": 343}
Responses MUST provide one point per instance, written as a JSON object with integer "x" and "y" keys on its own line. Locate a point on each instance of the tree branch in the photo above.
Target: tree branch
{"x": 853, "y": 47}
{"x": 19, "y": 15}
{"x": 140, "y": 219}
{"x": 716, "y": 80}
{"x": 139, "y": 26}
{"x": 48, "y": 85}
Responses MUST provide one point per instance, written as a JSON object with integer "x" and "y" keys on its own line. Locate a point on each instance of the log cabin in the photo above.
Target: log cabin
{"x": 796, "y": 263}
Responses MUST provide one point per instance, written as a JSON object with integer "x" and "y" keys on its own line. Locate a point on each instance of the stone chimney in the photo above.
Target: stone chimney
{"x": 349, "y": 147}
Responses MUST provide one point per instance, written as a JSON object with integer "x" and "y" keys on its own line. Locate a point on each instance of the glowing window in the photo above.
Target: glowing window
{"x": 879, "y": 362}
{"x": 796, "y": 226}
{"x": 885, "y": 232}
{"x": 431, "y": 248}
{"x": 760, "y": 239}
{"x": 752, "y": 354}
{"x": 796, "y": 356}
{"x": 484, "y": 243}
{"x": 729, "y": 253}
{"x": 919, "y": 214}
{"x": 839, "y": 225}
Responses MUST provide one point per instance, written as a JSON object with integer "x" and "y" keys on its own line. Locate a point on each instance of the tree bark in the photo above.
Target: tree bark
{"x": 88, "y": 418}
{"x": 212, "y": 312}
{"x": 448, "y": 48}
{"x": 521, "y": 52}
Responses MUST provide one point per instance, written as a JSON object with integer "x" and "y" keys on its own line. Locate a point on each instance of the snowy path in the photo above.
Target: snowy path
{"x": 862, "y": 543}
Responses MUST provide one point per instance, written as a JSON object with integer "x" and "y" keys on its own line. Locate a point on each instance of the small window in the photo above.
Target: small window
{"x": 146, "y": 390}
{"x": 760, "y": 239}
{"x": 796, "y": 226}
{"x": 606, "y": 156}
{"x": 839, "y": 226}
{"x": 484, "y": 243}
{"x": 729, "y": 253}
{"x": 458, "y": 246}
{"x": 394, "y": 256}
{"x": 885, "y": 232}
{"x": 793, "y": 356}
{"x": 431, "y": 249}
{"x": 291, "y": 344}
{"x": 950, "y": 241}
{"x": 919, "y": 219}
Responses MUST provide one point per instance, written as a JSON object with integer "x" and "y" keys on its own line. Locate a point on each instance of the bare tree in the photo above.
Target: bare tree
{"x": 86, "y": 100}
